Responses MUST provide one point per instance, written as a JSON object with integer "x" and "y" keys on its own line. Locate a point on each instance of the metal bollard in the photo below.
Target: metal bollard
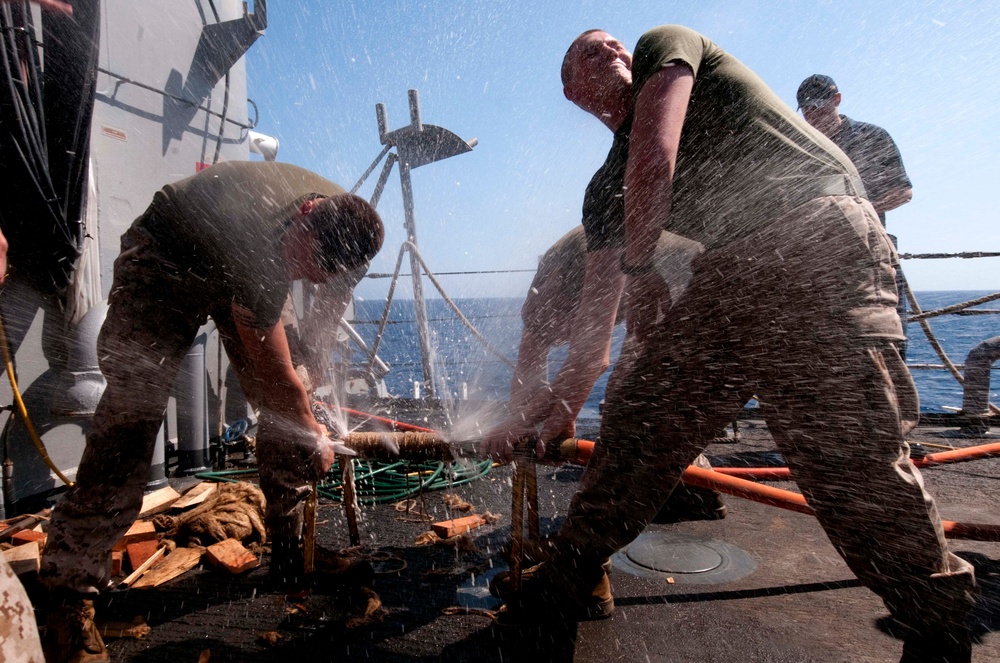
{"x": 976, "y": 389}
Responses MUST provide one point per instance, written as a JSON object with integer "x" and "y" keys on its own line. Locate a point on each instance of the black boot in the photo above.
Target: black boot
{"x": 333, "y": 570}
{"x": 70, "y": 635}
{"x": 686, "y": 503}
{"x": 537, "y": 551}
{"x": 548, "y": 592}
{"x": 286, "y": 571}
{"x": 936, "y": 645}
{"x": 951, "y": 646}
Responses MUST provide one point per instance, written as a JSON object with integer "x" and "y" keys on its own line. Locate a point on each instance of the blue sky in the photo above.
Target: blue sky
{"x": 929, "y": 72}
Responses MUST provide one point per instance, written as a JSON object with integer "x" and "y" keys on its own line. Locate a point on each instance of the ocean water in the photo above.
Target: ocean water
{"x": 462, "y": 363}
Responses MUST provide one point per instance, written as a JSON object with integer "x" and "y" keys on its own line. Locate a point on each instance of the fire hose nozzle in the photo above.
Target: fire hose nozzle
{"x": 342, "y": 449}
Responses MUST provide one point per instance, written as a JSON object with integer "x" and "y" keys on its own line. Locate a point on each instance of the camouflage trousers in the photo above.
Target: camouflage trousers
{"x": 153, "y": 317}
{"x": 802, "y": 315}
{"x": 18, "y": 631}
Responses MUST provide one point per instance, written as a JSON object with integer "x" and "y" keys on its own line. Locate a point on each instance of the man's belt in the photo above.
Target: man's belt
{"x": 790, "y": 197}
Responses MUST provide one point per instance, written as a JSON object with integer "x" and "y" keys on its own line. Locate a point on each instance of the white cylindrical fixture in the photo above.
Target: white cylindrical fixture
{"x": 264, "y": 145}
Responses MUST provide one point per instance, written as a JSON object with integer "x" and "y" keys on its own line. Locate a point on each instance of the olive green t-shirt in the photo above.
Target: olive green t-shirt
{"x": 566, "y": 261}
{"x": 744, "y": 156}
{"x": 224, "y": 227}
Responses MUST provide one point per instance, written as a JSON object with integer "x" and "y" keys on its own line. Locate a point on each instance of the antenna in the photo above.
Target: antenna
{"x": 416, "y": 144}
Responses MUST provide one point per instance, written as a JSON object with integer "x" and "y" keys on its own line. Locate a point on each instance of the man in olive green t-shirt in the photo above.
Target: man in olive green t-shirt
{"x": 793, "y": 299}
{"x": 224, "y": 243}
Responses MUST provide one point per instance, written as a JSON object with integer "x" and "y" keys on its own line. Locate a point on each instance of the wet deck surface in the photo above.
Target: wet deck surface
{"x": 799, "y": 603}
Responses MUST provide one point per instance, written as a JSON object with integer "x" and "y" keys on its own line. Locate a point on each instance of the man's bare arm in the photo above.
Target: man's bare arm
{"x": 656, "y": 134}
{"x": 655, "y": 140}
{"x": 530, "y": 373}
{"x": 589, "y": 356}
{"x": 267, "y": 351}
{"x": 590, "y": 342}
{"x": 286, "y": 412}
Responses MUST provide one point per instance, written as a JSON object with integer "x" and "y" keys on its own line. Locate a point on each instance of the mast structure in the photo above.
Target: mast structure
{"x": 416, "y": 144}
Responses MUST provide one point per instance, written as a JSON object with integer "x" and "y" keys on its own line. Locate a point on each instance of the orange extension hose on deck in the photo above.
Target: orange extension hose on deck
{"x": 724, "y": 481}
{"x": 702, "y": 478}
{"x": 978, "y": 452}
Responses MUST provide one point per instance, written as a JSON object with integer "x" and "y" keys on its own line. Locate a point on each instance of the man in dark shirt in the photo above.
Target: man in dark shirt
{"x": 872, "y": 151}
{"x": 869, "y": 147}
{"x": 225, "y": 243}
{"x": 704, "y": 149}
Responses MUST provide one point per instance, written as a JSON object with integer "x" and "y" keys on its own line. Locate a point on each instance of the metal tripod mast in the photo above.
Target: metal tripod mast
{"x": 416, "y": 144}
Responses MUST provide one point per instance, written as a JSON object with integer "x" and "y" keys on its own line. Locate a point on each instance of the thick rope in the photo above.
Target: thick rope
{"x": 454, "y": 307}
{"x": 932, "y": 339}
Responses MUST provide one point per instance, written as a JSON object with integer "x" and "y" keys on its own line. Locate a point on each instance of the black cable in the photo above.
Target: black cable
{"x": 380, "y": 275}
{"x": 256, "y": 114}
{"x": 27, "y": 107}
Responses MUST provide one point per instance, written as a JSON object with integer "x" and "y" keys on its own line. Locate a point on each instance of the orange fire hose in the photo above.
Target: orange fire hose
{"x": 396, "y": 425}
{"x": 584, "y": 448}
{"x": 728, "y": 480}
{"x": 699, "y": 477}
{"x": 712, "y": 480}
{"x": 958, "y": 455}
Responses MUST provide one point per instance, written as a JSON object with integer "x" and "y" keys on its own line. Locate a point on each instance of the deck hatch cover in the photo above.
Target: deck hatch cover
{"x": 686, "y": 558}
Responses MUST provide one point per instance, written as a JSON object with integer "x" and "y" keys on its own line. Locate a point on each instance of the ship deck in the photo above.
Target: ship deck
{"x": 796, "y": 600}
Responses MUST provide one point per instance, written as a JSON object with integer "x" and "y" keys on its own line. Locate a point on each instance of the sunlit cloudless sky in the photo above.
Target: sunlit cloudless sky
{"x": 928, "y": 72}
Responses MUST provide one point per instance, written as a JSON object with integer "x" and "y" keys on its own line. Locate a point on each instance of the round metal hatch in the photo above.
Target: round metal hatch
{"x": 686, "y": 558}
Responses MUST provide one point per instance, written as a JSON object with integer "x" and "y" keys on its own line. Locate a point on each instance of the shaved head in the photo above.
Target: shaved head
{"x": 567, "y": 63}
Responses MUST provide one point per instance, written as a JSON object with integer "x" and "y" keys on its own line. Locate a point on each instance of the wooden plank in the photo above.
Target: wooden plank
{"x": 148, "y": 564}
{"x": 141, "y": 530}
{"x": 27, "y": 536}
{"x": 140, "y": 551}
{"x": 24, "y": 559}
{"x": 231, "y": 556}
{"x": 449, "y": 528}
{"x": 195, "y": 495}
{"x": 135, "y": 629}
{"x": 117, "y": 563}
{"x": 158, "y": 501}
{"x": 23, "y": 523}
{"x": 181, "y": 560}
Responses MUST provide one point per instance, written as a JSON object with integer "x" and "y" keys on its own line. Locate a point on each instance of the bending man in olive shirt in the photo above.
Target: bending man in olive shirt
{"x": 224, "y": 243}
